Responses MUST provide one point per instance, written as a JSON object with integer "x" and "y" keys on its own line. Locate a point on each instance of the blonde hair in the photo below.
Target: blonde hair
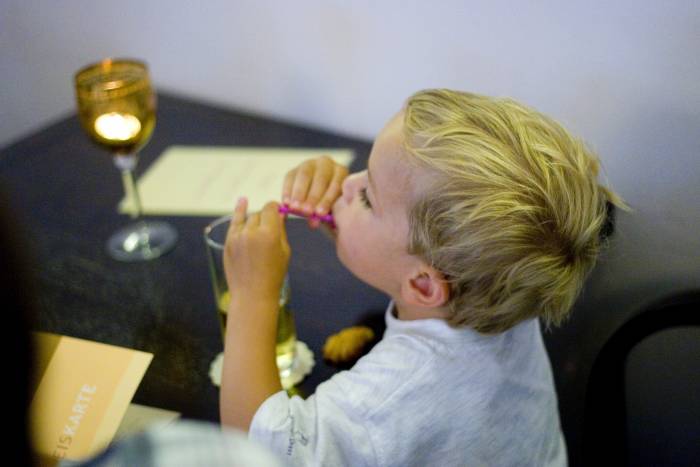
{"x": 514, "y": 215}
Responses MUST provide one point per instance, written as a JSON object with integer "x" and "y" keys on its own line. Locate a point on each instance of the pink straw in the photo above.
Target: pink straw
{"x": 327, "y": 218}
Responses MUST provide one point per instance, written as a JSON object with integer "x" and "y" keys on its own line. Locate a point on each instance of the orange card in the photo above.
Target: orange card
{"x": 83, "y": 390}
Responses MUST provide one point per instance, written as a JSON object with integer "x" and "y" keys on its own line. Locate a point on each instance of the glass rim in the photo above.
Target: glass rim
{"x": 210, "y": 227}
{"x": 83, "y": 77}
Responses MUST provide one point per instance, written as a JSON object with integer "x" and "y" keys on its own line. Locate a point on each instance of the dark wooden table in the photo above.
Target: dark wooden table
{"x": 64, "y": 192}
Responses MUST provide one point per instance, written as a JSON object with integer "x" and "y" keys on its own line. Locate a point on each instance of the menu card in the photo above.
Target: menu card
{"x": 83, "y": 389}
{"x": 207, "y": 181}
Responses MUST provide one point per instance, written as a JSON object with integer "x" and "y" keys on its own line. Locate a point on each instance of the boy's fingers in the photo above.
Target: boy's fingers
{"x": 270, "y": 214}
{"x": 319, "y": 185}
{"x": 239, "y": 213}
{"x": 283, "y": 231}
{"x": 287, "y": 186}
{"x": 302, "y": 181}
{"x": 253, "y": 221}
{"x": 334, "y": 190}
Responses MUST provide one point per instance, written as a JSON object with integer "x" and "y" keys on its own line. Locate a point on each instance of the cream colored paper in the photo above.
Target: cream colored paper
{"x": 207, "y": 181}
{"x": 82, "y": 394}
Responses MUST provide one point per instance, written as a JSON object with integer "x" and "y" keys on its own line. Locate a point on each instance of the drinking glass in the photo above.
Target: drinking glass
{"x": 117, "y": 109}
{"x": 215, "y": 238}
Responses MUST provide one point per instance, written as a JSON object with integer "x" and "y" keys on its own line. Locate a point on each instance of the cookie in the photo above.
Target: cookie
{"x": 347, "y": 345}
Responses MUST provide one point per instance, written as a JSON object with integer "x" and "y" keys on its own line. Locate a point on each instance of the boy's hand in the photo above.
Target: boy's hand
{"x": 314, "y": 186}
{"x": 256, "y": 253}
{"x": 256, "y": 256}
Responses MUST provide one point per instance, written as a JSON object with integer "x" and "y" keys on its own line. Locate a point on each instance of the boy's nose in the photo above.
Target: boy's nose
{"x": 349, "y": 187}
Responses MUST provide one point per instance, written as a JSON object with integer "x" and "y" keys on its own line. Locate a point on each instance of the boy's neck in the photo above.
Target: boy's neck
{"x": 406, "y": 312}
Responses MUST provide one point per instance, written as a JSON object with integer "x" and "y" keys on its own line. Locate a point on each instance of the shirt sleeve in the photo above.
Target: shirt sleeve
{"x": 324, "y": 429}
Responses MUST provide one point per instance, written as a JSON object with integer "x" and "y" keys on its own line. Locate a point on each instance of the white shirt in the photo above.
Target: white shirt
{"x": 426, "y": 394}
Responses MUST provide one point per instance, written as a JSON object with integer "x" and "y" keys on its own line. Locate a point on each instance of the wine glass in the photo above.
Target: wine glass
{"x": 117, "y": 109}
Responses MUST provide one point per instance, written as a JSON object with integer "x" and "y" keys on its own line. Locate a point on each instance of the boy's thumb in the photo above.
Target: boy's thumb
{"x": 272, "y": 214}
{"x": 283, "y": 231}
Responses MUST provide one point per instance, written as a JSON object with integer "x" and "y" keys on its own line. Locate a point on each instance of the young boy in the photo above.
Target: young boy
{"x": 477, "y": 216}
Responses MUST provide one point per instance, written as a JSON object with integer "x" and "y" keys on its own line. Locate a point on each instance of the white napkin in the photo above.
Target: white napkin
{"x": 303, "y": 364}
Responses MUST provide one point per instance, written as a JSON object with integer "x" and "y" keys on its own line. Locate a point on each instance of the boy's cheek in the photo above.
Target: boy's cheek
{"x": 348, "y": 262}
{"x": 347, "y": 250}
{"x": 340, "y": 253}
{"x": 341, "y": 248}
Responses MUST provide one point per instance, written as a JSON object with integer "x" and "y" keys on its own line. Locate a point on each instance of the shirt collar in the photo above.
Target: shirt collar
{"x": 432, "y": 328}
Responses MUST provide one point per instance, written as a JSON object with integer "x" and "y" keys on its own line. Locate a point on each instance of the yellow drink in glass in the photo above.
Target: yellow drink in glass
{"x": 286, "y": 331}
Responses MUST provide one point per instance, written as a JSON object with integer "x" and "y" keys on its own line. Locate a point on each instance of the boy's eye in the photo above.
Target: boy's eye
{"x": 365, "y": 199}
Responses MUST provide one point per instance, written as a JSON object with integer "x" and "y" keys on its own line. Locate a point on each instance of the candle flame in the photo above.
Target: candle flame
{"x": 117, "y": 126}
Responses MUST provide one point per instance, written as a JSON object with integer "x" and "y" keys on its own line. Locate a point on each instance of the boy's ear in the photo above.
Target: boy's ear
{"x": 426, "y": 288}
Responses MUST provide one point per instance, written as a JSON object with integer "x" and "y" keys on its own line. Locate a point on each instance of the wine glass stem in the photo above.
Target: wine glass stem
{"x": 126, "y": 166}
{"x": 133, "y": 193}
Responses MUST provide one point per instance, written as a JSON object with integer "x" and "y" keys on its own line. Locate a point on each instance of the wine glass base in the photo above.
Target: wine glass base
{"x": 142, "y": 241}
